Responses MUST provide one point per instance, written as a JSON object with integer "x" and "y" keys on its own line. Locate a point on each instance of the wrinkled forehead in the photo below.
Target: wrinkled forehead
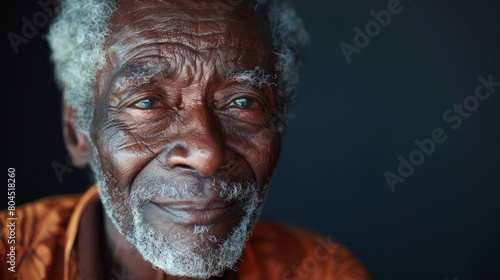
{"x": 225, "y": 32}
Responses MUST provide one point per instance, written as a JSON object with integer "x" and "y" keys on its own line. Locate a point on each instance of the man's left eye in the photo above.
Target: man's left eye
{"x": 146, "y": 103}
{"x": 243, "y": 102}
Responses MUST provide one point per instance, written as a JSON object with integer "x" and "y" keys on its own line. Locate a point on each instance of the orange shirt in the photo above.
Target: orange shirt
{"x": 46, "y": 246}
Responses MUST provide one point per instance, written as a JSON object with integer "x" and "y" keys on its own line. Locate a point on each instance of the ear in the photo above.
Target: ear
{"x": 76, "y": 142}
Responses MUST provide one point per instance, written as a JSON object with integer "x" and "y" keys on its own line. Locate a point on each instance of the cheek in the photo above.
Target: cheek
{"x": 270, "y": 150}
{"x": 123, "y": 154}
{"x": 261, "y": 151}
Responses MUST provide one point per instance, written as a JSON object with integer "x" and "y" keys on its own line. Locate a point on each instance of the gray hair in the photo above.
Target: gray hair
{"x": 77, "y": 35}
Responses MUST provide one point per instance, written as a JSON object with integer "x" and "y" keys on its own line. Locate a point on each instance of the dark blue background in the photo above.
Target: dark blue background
{"x": 350, "y": 123}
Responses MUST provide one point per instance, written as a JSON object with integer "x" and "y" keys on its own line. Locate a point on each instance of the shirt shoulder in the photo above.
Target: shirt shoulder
{"x": 35, "y": 233}
{"x": 284, "y": 251}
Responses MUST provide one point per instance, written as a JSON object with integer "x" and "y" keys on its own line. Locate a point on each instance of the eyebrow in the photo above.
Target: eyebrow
{"x": 252, "y": 77}
{"x": 138, "y": 72}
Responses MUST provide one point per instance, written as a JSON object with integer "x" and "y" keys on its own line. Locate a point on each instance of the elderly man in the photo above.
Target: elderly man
{"x": 176, "y": 107}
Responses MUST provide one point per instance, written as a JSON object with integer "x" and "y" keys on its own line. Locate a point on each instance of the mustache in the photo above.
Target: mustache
{"x": 238, "y": 191}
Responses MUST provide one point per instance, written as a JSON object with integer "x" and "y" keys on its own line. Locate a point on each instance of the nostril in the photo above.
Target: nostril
{"x": 184, "y": 166}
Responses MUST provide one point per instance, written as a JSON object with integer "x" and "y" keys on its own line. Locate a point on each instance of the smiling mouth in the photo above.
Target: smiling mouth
{"x": 192, "y": 214}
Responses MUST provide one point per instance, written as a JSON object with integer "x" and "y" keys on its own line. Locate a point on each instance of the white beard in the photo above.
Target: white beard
{"x": 174, "y": 253}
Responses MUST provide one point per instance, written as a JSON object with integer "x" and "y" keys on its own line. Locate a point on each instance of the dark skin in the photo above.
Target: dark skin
{"x": 164, "y": 111}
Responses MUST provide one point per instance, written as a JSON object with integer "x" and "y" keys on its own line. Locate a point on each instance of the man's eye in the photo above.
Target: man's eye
{"x": 146, "y": 103}
{"x": 243, "y": 102}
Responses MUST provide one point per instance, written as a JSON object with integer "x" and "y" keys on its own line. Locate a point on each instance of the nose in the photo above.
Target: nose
{"x": 199, "y": 147}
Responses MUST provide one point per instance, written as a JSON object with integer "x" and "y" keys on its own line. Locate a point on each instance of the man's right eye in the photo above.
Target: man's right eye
{"x": 146, "y": 103}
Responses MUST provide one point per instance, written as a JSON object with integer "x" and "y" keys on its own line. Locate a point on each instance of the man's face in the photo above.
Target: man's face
{"x": 185, "y": 151}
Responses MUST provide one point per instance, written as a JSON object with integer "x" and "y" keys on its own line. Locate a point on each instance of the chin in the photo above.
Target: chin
{"x": 190, "y": 248}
